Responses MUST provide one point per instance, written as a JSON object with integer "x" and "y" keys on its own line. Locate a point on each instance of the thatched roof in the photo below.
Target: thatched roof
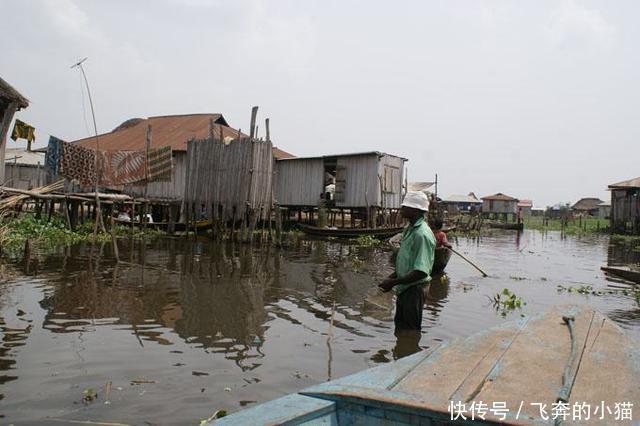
{"x": 8, "y": 92}
{"x": 587, "y": 204}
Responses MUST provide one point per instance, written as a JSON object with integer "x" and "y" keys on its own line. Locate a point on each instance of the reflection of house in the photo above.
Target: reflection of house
{"x": 462, "y": 203}
{"x": 10, "y": 102}
{"x": 499, "y": 204}
{"x": 625, "y": 206}
{"x": 604, "y": 210}
{"x": 587, "y": 206}
{"x": 366, "y": 179}
{"x": 525, "y": 206}
{"x": 24, "y": 169}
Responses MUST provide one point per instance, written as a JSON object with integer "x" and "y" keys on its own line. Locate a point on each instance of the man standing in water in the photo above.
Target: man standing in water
{"x": 413, "y": 263}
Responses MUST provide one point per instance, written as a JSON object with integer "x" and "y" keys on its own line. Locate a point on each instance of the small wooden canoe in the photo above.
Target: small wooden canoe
{"x": 349, "y": 232}
{"x": 200, "y": 225}
{"x": 625, "y": 272}
{"x": 570, "y": 353}
{"x": 504, "y": 225}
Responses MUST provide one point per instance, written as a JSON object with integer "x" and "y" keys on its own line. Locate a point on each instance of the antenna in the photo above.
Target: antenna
{"x": 95, "y": 129}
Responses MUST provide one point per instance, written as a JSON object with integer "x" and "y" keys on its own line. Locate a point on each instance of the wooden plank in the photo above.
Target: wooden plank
{"x": 445, "y": 373}
{"x": 541, "y": 351}
{"x": 608, "y": 372}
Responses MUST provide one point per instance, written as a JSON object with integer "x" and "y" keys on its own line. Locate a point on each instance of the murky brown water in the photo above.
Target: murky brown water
{"x": 184, "y": 328}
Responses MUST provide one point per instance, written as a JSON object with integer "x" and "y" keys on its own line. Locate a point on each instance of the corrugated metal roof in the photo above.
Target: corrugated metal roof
{"x": 457, "y": 198}
{"x": 7, "y": 91}
{"x": 167, "y": 130}
{"x": 419, "y": 186}
{"x": 500, "y": 197}
{"x": 24, "y": 157}
{"x": 349, "y": 154}
{"x": 631, "y": 183}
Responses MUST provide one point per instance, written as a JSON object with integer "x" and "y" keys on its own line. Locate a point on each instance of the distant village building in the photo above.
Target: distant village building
{"x": 366, "y": 181}
{"x": 604, "y": 210}
{"x": 558, "y": 210}
{"x": 587, "y": 206}
{"x": 525, "y": 207}
{"x": 462, "y": 203}
{"x": 625, "y": 206}
{"x": 168, "y": 130}
{"x": 24, "y": 169}
{"x": 10, "y": 102}
{"x": 499, "y": 205}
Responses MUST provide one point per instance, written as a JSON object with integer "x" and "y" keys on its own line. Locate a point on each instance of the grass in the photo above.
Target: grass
{"x": 48, "y": 235}
{"x": 577, "y": 226}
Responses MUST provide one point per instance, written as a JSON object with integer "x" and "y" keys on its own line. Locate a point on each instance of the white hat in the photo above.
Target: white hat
{"x": 417, "y": 200}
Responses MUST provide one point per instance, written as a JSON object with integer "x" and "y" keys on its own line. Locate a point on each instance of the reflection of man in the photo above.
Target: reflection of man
{"x": 413, "y": 263}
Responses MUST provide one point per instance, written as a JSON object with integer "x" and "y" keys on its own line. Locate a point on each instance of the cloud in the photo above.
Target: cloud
{"x": 576, "y": 26}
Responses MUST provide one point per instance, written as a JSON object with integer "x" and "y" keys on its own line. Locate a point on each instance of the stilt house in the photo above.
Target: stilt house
{"x": 625, "y": 206}
{"x": 10, "y": 102}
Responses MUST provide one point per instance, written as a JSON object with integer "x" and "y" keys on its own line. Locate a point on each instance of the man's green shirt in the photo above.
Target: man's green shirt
{"x": 417, "y": 251}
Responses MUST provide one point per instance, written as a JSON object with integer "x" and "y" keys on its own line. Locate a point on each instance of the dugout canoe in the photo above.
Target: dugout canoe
{"x": 570, "y": 354}
{"x": 504, "y": 225}
{"x": 381, "y": 233}
{"x": 625, "y": 272}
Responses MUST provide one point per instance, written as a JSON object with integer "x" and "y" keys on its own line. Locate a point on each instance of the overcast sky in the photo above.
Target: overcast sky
{"x": 537, "y": 99}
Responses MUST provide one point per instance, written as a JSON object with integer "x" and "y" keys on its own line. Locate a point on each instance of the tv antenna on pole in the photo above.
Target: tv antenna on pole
{"x": 95, "y": 129}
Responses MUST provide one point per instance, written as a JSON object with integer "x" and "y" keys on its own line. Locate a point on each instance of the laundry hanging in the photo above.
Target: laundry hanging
{"x": 78, "y": 163}
{"x": 159, "y": 164}
{"x": 22, "y": 130}
{"x": 121, "y": 167}
{"x": 54, "y": 153}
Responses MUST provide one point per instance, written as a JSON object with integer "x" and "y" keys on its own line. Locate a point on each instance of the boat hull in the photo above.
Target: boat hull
{"x": 349, "y": 232}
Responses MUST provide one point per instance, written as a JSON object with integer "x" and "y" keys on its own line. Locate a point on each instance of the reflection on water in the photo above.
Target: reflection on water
{"x": 184, "y": 327}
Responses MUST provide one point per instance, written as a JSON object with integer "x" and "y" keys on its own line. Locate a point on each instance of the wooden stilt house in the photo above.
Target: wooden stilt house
{"x": 10, "y": 102}
{"x": 369, "y": 185}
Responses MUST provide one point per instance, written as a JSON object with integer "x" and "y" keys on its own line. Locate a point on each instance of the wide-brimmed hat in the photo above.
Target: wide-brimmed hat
{"x": 417, "y": 200}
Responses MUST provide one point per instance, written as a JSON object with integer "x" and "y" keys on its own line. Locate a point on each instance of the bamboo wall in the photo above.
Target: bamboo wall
{"x": 21, "y": 176}
{"x": 625, "y": 210}
{"x": 229, "y": 180}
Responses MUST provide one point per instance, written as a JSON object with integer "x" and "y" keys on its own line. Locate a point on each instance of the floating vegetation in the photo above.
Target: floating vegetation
{"x": 89, "y": 395}
{"x": 357, "y": 264}
{"x": 507, "y": 301}
{"x": 583, "y": 289}
{"x": 517, "y": 278}
{"x": 367, "y": 241}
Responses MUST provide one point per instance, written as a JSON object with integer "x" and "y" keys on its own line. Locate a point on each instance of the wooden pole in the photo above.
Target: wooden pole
{"x": 266, "y": 127}
{"x": 146, "y": 183}
{"x": 484, "y": 274}
{"x": 114, "y": 240}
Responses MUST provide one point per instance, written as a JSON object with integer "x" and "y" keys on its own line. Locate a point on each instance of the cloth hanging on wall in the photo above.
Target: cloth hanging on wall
{"x": 54, "y": 153}
{"x": 159, "y": 164}
{"x": 121, "y": 167}
{"x": 22, "y": 130}
{"x": 78, "y": 163}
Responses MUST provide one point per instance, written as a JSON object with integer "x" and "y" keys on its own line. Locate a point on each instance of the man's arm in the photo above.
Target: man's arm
{"x": 391, "y": 282}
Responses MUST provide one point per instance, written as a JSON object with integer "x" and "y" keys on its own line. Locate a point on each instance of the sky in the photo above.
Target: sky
{"x": 538, "y": 100}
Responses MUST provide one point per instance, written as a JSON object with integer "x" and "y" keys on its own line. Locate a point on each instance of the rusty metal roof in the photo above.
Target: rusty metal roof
{"x": 7, "y": 91}
{"x": 167, "y": 130}
{"x": 631, "y": 183}
{"x": 499, "y": 197}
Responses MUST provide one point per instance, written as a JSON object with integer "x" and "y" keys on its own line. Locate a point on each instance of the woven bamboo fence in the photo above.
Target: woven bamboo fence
{"x": 229, "y": 181}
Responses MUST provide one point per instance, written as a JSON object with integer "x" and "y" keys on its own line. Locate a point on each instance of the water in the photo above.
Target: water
{"x": 182, "y": 328}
